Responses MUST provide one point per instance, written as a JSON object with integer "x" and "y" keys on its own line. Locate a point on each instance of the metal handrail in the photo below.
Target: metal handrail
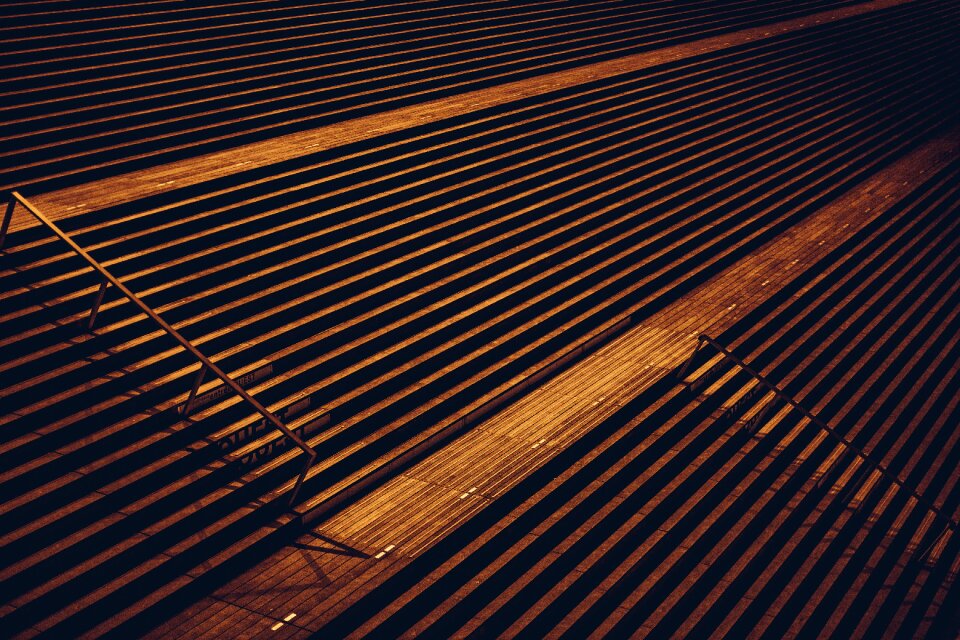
{"x": 781, "y": 394}
{"x": 205, "y": 362}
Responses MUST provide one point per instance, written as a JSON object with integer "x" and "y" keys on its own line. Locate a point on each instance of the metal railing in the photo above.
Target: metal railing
{"x": 949, "y": 522}
{"x": 107, "y": 279}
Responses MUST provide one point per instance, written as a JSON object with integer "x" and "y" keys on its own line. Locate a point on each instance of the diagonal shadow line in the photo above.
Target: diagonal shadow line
{"x": 337, "y": 548}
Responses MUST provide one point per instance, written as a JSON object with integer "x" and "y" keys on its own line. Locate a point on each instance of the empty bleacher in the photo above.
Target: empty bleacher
{"x": 89, "y": 93}
{"x": 378, "y": 294}
{"x": 680, "y": 516}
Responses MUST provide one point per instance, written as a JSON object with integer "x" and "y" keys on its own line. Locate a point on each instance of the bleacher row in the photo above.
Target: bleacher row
{"x": 87, "y": 95}
{"x": 373, "y": 294}
{"x": 684, "y": 515}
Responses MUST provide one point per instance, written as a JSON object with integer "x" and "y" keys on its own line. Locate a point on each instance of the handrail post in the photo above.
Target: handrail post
{"x": 185, "y": 411}
{"x": 96, "y": 305}
{"x": 924, "y": 555}
{"x": 760, "y": 418}
{"x": 7, "y": 216}
{"x": 311, "y": 457}
{"x": 686, "y": 365}
{"x": 859, "y": 477}
{"x": 833, "y": 465}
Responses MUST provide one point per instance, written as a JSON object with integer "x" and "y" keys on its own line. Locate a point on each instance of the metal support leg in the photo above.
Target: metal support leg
{"x": 7, "y": 216}
{"x": 683, "y": 372}
{"x": 753, "y": 425}
{"x": 96, "y": 304}
{"x": 860, "y": 476}
{"x": 188, "y": 405}
{"x": 291, "y": 503}
{"x": 833, "y": 465}
{"x": 925, "y": 554}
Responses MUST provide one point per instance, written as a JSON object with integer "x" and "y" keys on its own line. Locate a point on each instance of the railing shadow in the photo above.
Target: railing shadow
{"x": 206, "y": 365}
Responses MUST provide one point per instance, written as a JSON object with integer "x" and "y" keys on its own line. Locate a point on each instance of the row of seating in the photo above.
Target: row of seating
{"x": 88, "y": 95}
{"x": 678, "y": 516}
{"x": 51, "y": 363}
{"x": 373, "y": 294}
